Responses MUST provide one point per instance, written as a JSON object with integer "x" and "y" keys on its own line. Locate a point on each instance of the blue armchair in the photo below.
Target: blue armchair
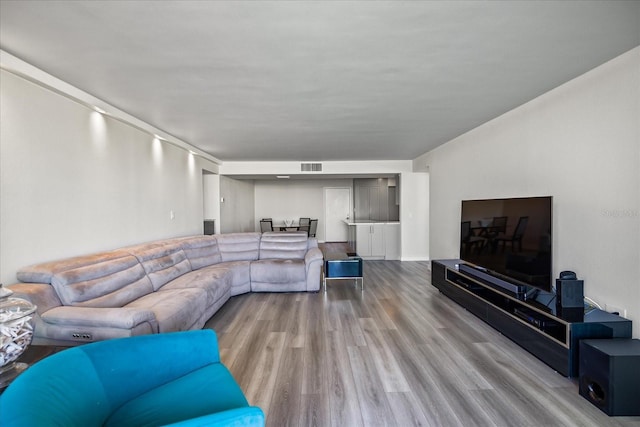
{"x": 161, "y": 379}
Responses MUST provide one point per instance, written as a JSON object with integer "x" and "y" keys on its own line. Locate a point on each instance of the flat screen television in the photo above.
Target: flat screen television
{"x": 509, "y": 239}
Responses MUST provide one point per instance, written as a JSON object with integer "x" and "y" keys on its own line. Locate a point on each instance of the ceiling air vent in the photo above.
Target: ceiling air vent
{"x": 311, "y": 167}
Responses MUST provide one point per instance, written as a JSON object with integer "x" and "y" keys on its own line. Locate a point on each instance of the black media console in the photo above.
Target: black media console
{"x": 531, "y": 320}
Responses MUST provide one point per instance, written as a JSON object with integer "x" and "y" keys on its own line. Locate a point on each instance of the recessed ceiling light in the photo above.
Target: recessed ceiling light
{"x": 99, "y": 110}
{"x": 282, "y": 176}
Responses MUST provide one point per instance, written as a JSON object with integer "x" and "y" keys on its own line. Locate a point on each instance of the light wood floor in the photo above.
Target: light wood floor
{"x": 398, "y": 354}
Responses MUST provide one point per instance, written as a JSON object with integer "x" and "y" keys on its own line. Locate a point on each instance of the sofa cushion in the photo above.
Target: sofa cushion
{"x": 239, "y": 246}
{"x": 278, "y": 271}
{"x": 162, "y": 262}
{"x": 275, "y": 245}
{"x": 105, "y": 283}
{"x": 215, "y": 282}
{"x": 201, "y": 251}
{"x": 204, "y": 391}
{"x": 175, "y": 309}
{"x": 240, "y": 272}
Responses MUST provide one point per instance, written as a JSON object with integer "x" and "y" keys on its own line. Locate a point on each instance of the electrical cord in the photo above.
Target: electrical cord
{"x": 593, "y": 303}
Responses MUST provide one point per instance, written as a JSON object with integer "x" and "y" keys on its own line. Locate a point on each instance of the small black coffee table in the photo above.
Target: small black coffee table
{"x": 342, "y": 266}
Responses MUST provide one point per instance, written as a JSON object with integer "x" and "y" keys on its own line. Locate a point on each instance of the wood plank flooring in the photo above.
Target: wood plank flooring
{"x": 396, "y": 354}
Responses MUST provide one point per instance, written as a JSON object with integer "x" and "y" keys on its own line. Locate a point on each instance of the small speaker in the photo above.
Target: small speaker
{"x": 568, "y": 275}
{"x": 609, "y": 375}
{"x": 570, "y": 293}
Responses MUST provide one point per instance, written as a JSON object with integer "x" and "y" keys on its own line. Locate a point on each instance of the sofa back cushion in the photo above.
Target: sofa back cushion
{"x": 104, "y": 283}
{"x": 162, "y": 261}
{"x": 274, "y": 245}
{"x": 239, "y": 246}
{"x": 201, "y": 251}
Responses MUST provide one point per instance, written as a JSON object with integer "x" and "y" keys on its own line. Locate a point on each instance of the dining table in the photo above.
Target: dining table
{"x": 285, "y": 227}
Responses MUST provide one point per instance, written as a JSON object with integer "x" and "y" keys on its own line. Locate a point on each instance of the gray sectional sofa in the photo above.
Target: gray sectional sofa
{"x": 163, "y": 286}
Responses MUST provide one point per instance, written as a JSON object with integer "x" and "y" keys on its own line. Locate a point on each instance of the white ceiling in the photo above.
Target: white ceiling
{"x": 317, "y": 80}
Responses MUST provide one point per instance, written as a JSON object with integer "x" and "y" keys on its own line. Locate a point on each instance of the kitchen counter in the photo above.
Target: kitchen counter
{"x": 374, "y": 239}
{"x": 366, "y": 222}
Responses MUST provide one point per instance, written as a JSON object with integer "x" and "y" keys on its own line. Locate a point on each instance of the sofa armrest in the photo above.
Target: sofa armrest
{"x": 41, "y": 294}
{"x": 250, "y": 416}
{"x": 312, "y": 254}
{"x": 313, "y": 263}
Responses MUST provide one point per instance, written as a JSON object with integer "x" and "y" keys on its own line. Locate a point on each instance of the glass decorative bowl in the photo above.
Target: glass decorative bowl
{"x": 16, "y": 333}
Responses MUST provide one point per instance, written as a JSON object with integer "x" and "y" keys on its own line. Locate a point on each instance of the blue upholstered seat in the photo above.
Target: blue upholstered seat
{"x": 150, "y": 380}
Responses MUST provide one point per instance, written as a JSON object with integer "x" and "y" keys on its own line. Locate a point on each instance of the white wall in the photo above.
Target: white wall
{"x": 292, "y": 168}
{"x": 292, "y": 199}
{"x": 579, "y": 143}
{"x": 237, "y": 209}
{"x": 74, "y": 181}
{"x": 414, "y": 216}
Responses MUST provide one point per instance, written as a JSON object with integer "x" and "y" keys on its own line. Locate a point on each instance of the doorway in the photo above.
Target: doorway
{"x": 337, "y": 208}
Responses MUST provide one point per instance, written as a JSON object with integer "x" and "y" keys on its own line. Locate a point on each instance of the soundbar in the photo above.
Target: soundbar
{"x": 491, "y": 279}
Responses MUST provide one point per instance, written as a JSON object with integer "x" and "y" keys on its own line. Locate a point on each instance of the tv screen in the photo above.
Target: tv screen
{"x": 509, "y": 238}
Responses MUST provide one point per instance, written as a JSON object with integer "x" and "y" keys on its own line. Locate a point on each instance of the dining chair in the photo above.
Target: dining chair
{"x": 468, "y": 241}
{"x": 313, "y": 225}
{"x": 266, "y": 225}
{"x": 497, "y": 228}
{"x": 499, "y": 225}
{"x": 516, "y": 237}
{"x": 304, "y": 222}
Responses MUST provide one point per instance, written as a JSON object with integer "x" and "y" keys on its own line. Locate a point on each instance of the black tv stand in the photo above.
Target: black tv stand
{"x": 530, "y": 318}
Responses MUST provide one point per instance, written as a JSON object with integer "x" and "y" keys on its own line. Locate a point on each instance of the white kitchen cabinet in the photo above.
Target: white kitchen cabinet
{"x": 392, "y": 241}
{"x": 370, "y": 240}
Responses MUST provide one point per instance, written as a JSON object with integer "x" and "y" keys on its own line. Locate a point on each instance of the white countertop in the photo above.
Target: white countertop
{"x": 366, "y": 222}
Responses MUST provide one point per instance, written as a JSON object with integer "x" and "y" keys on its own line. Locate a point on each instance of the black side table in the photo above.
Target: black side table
{"x": 35, "y": 353}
